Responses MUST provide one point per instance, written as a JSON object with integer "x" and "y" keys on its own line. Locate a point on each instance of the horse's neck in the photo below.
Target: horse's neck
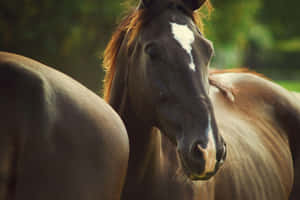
{"x": 152, "y": 169}
{"x": 145, "y": 150}
{"x": 153, "y": 165}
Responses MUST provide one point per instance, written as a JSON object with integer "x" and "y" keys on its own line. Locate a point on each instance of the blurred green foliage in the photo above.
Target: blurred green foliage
{"x": 67, "y": 34}
{"x": 258, "y": 34}
{"x": 290, "y": 85}
{"x": 70, "y": 35}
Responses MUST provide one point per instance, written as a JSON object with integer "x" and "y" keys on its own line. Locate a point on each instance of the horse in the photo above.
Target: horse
{"x": 267, "y": 114}
{"x": 58, "y": 139}
{"x": 297, "y": 94}
{"x": 235, "y": 131}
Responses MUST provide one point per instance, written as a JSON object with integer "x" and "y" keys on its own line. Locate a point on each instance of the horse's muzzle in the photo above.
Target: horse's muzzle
{"x": 203, "y": 163}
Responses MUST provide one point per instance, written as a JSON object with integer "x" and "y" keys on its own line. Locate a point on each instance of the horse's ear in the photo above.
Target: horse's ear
{"x": 194, "y": 4}
{"x": 145, "y": 4}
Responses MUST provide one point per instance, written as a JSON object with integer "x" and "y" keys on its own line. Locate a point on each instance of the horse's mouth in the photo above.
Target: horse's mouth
{"x": 195, "y": 176}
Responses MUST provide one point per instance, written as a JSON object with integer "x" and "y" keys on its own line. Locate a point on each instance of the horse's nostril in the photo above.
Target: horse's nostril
{"x": 197, "y": 151}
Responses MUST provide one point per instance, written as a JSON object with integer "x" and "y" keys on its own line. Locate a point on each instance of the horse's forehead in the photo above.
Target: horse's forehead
{"x": 183, "y": 34}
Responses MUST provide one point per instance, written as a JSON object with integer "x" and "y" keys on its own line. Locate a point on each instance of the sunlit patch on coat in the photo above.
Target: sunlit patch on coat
{"x": 209, "y": 153}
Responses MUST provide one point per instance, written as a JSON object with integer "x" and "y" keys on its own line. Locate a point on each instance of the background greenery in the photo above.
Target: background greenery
{"x": 70, "y": 35}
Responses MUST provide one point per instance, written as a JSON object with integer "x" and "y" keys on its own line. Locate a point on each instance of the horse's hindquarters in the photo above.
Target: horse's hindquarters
{"x": 58, "y": 139}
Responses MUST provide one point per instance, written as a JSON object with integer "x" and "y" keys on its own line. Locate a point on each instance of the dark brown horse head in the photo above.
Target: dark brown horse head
{"x": 167, "y": 85}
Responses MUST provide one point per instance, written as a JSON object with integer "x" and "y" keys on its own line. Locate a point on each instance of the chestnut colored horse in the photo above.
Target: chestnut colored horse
{"x": 58, "y": 140}
{"x": 177, "y": 115}
{"x": 261, "y": 134}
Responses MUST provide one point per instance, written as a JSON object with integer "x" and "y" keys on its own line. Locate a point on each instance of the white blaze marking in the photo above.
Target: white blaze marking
{"x": 185, "y": 37}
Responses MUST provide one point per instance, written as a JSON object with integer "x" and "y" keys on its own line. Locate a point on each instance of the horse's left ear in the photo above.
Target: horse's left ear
{"x": 194, "y": 4}
{"x": 145, "y": 3}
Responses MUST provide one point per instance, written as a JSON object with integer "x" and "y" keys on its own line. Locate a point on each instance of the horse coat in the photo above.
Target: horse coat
{"x": 58, "y": 140}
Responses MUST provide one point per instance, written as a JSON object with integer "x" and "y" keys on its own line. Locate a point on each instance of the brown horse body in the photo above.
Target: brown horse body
{"x": 177, "y": 113}
{"x": 257, "y": 127}
{"x": 260, "y": 127}
{"x": 58, "y": 140}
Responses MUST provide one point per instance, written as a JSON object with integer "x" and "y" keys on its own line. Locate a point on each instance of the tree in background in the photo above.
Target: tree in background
{"x": 281, "y": 20}
{"x": 229, "y": 28}
{"x": 71, "y": 34}
{"x": 258, "y": 34}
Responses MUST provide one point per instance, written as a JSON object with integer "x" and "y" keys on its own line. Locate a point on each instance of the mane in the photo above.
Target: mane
{"x": 130, "y": 26}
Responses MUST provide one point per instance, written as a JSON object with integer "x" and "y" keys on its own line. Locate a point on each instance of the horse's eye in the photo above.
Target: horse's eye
{"x": 163, "y": 92}
{"x": 163, "y": 97}
{"x": 176, "y": 6}
{"x": 152, "y": 50}
{"x": 181, "y": 9}
{"x": 172, "y": 5}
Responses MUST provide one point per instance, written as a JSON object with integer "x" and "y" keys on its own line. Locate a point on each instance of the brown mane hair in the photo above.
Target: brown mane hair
{"x": 131, "y": 25}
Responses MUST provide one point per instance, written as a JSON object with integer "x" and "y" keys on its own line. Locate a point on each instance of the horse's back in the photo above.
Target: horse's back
{"x": 297, "y": 94}
{"x": 58, "y": 139}
{"x": 259, "y": 163}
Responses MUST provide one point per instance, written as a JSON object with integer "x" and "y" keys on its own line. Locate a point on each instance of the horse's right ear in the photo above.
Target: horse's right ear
{"x": 145, "y": 4}
{"x": 194, "y": 4}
